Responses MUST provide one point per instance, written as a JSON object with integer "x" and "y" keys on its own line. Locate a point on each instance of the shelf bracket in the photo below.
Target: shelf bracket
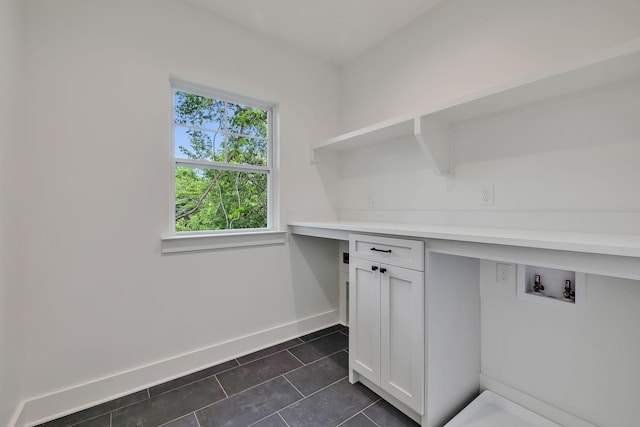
{"x": 433, "y": 137}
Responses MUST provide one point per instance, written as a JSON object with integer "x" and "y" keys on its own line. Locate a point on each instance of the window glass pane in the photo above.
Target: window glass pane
{"x": 199, "y": 111}
{"x": 212, "y": 199}
{"x": 251, "y": 151}
{"x": 198, "y": 144}
{"x": 247, "y": 121}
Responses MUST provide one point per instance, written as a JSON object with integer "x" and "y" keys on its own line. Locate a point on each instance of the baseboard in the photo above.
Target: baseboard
{"x": 16, "y": 415}
{"x": 45, "y": 408}
{"x": 538, "y": 406}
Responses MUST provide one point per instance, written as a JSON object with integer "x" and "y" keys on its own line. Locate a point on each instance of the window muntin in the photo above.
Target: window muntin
{"x": 223, "y": 162}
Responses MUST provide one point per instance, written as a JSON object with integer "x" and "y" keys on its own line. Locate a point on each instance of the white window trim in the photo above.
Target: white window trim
{"x": 219, "y": 239}
{"x": 207, "y": 242}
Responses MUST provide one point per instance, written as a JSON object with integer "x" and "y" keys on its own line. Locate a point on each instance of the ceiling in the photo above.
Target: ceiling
{"x": 335, "y": 30}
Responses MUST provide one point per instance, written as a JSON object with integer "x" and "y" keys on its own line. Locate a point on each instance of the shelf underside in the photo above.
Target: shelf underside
{"x": 430, "y": 129}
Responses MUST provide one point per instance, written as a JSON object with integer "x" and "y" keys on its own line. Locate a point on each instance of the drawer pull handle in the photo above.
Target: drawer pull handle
{"x": 383, "y": 270}
{"x": 381, "y": 250}
{"x": 374, "y": 268}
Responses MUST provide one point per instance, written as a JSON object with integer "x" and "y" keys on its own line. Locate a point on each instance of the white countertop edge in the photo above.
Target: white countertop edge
{"x": 597, "y": 243}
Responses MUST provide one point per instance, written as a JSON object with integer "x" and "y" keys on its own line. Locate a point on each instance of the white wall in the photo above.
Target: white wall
{"x": 101, "y": 297}
{"x": 462, "y": 46}
{"x": 11, "y": 44}
{"x": 569, "y": 164}
{"x": 583, "y": 361}
{"x": 564, "y": 165}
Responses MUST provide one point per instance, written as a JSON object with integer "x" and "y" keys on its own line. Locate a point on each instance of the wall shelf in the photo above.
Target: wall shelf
{"x": 430, "y": 129}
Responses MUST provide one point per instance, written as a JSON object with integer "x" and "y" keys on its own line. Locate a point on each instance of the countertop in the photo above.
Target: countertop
{"x": 597, "y": 243}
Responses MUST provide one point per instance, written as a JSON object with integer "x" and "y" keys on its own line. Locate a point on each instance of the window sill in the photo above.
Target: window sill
{"x": 209, "y": 242}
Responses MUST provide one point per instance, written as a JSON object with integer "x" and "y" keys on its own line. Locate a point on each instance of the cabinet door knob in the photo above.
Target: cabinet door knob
{"x": 374, "y": 268}
{"x": 383, "y": 270}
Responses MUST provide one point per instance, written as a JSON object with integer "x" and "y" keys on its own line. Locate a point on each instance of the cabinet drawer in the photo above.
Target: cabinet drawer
{"x": 399, "y": 252}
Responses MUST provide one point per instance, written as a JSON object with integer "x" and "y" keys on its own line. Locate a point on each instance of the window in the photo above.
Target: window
{"x": 223, "y": 161}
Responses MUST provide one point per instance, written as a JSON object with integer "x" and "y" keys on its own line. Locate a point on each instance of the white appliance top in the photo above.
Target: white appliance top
{"x": 492, "y": 410}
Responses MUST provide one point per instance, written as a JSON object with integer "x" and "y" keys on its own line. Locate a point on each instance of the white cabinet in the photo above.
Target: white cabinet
{"x": 364, "y": 318}
{"x": 402, "y": 335}
{"x": 386, "y": 338}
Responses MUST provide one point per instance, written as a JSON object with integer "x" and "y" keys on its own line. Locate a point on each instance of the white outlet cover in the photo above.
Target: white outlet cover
{"x": 503, "y": 272}
{"x": 487, "y": 195}
{"x": 371, "y": 201}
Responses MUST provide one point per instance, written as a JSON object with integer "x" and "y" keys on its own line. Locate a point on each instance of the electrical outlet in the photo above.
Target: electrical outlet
{"x": 502, "y": 272}
{"x": 486, "y": 195}
{"x": 371, "y": 202}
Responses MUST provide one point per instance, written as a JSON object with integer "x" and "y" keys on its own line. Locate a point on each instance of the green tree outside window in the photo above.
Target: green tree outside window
{"x": 222, "y": 164}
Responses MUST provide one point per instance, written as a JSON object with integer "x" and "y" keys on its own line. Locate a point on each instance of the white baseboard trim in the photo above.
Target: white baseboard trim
{"x": 16, "y": 415}
{"x": 48, "y": 407}
{"x": 538, "y": 406}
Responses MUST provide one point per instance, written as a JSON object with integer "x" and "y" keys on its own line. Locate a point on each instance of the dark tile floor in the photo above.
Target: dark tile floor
{"x": 301, "y": 382}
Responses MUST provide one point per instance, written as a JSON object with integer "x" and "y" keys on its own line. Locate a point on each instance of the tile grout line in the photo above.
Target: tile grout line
{"x": 180, "y": 417}
{"x": 270, "y": 415}
{"x": 281, "y": 375}
{"x": 220, "y": 384}
{"x": 94, "y": 416}
{"x": 148, "y": 389}
{"x": 351, "y": 417}
{"x": 315, "y": 392}
{"x": 369, "y": 418}
{"x": 240, "y": 392}
{"x": 311, "y": 363}
{"x": 321, "y": 336}
{"x": 256, "y": 385}
{"x": 238, "y": 364}
{"x": 324, "y": 388}
{"x": 292, "y": 370}
{"x": 174, "y": 419}
{"x": 192, "y": 382}
{"x": 264, "y": 357}
{"x": 261, "y": 419}
{"x": 82, "y": 421}
{"x": 286, "y": 349}
{"x": 327, "y": 386}
{"x": 379, "y": 399}
{"x": 369, "y": 406}
{"x": 294, "y": 356}
{"x": 282, "y": 418}
{"x": 296, "y": 388}
{"x": 362, "y": 412}
{"x": 210, "y": 404}
{"x": 270, "y": 354}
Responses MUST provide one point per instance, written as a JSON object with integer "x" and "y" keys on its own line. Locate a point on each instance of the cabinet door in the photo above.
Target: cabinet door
{"x": 402, "y": 334}
{"x": 364, "y": 318}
